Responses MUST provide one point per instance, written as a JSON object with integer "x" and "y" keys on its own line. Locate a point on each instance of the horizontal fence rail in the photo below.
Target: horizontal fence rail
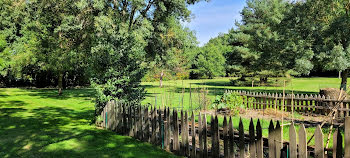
{"x": 307, "y": 104}
{"x": 189, "y": 135}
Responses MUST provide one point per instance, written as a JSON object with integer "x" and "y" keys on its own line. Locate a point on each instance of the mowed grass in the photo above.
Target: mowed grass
{"x": 176, "y": 94}
{"x": 38, "y": 123}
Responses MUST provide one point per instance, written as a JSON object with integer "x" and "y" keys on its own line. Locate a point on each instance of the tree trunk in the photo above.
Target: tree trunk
{"x": 60, "y": 83}
{"x": 263, "y": 80}
{"x": 344, "y": 78}
{"x": 161, "y": 79}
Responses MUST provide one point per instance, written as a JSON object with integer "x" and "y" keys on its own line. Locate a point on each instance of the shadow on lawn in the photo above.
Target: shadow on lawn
{"x": 67, "y": 93}
{"x": 62, "y": 132}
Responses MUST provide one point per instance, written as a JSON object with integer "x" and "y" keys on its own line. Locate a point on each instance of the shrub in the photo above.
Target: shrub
{"x": 233, "y": 101}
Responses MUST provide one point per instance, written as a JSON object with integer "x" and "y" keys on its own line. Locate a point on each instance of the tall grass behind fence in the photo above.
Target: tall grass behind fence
{"x": 180, "y": 133}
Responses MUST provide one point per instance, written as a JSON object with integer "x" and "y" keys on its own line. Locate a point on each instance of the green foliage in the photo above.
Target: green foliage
{"x": 232, "y": 101}
{"x": 208, "y": 62}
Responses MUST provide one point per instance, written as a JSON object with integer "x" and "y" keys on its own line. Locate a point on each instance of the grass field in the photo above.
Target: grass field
{"x": 38, "y": 123}
{"x": 174, "y": 93}
{"x": 177, "y": 94}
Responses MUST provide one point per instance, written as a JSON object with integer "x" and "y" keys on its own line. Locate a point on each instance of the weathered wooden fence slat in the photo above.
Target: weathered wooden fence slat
{"x": 252, "y": 149}
{"x": 172, "y": 133}
{"x": 302, "y": 142}
{"x": 347, "y": 137}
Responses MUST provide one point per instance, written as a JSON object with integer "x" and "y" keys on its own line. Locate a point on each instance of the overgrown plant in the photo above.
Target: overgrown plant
{"x": 233, "y": 101}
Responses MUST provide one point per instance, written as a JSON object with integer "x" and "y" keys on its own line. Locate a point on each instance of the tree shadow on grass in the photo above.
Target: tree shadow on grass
{"x": 63, "y": 132}
{"x": 68, "y": 93}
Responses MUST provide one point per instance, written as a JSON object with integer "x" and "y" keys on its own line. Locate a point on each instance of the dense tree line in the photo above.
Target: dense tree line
{"x": 115, "y": 44}
{"x": 280, "y": 38}
{"x": 109, "y": 44}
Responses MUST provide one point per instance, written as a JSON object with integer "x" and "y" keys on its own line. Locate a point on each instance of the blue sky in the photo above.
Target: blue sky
{"x": 214, "y": 17}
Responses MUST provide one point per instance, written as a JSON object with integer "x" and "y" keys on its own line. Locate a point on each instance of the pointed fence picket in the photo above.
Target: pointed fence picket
{"x": 163, "y": 128}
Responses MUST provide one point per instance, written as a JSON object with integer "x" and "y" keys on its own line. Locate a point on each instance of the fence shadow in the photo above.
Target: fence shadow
{"x": 62, "y": 132}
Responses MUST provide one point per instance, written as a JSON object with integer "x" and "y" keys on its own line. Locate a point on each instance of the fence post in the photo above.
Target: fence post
{"x": 212, "y": 134}
{"x": 182, "y": 143}
{"x": 347, "y": 137}
{"x": 217, "y": 137}
{"x": 278, "y": 139}
{"x": 205, "y": 144}
{"x": 292, "y": 141}
{"x": 161, "y": 131}
{"x": 252, "y": 149}
{"x": 193, "y": 133}
{"x": 259, "y": 142}
{"x": 337, "y": 144}
{"x": 271, "y": 141}
{"x": 146, "y": 138}
{"x": 241, "y": 139}
{"x": 200, "y": 134}
{"x": 225, "y": 138}
{"x": 231, "y": 141}
{"x": 176, "y": 131}
{"x": 168, "y": 129}
{"x": 186, "y": 130}
{"x": 319, "y": 147}
{"x": 302, "y": 142}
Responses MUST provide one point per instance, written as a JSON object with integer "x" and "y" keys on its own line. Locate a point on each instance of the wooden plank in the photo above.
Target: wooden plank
{"x": 252, "y": 148}
{"x": 160, "y": 128}
{"x": 292, "y": 141}
{"x": 182, "y": 142}
{"x": 186, "y": 129}
{"x": 205, "y": 144}
{"x": 212, "y": 134}
{"x": 193, "y": 134}
{"x": 271, "y": 141}
{"x": 176, "y": 132}
{"x": 319, "y": 147}
{"x": 278, "y": 139}
{"x": 117, "y": 114}
{"x": 124, "y": 120}
{"x": 337, "y": 144}
{"x": 302, "y": 142}
{"x": 241, "y": 139}
{"x": 347, "y": 137}
{"x": 140, "y": 130}
{"x": 130, "y": 121}
{"x": 153, "y": 131}
{"x": 165, "y": 118}
{"x": 231, "y": 139}
{"x": 259, "y": 141}
{"x": 147, "y": 125}
{"x": 217, "y": 137}
{"x": 225, "y": 136}
{"x": 200, "y": 135}
{"x": 133, "y": 124}
{"x": 168, "y": 128}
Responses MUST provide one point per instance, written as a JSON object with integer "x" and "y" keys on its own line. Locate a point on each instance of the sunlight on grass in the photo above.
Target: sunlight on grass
{"x": 38, "y": 123}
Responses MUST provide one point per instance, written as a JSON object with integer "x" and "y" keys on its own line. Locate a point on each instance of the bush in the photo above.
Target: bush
{"x": 233, "y": 101}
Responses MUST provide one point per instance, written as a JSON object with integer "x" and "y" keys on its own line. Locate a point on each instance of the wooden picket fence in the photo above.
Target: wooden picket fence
{"x": 308, "y": 104}
{"x": 186, "y": 136}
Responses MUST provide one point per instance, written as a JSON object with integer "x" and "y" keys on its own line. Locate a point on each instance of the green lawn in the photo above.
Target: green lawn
{"x": 38, "y": 123}
{"x": 171, "y": 93}
{"x": 174, "y": 93}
